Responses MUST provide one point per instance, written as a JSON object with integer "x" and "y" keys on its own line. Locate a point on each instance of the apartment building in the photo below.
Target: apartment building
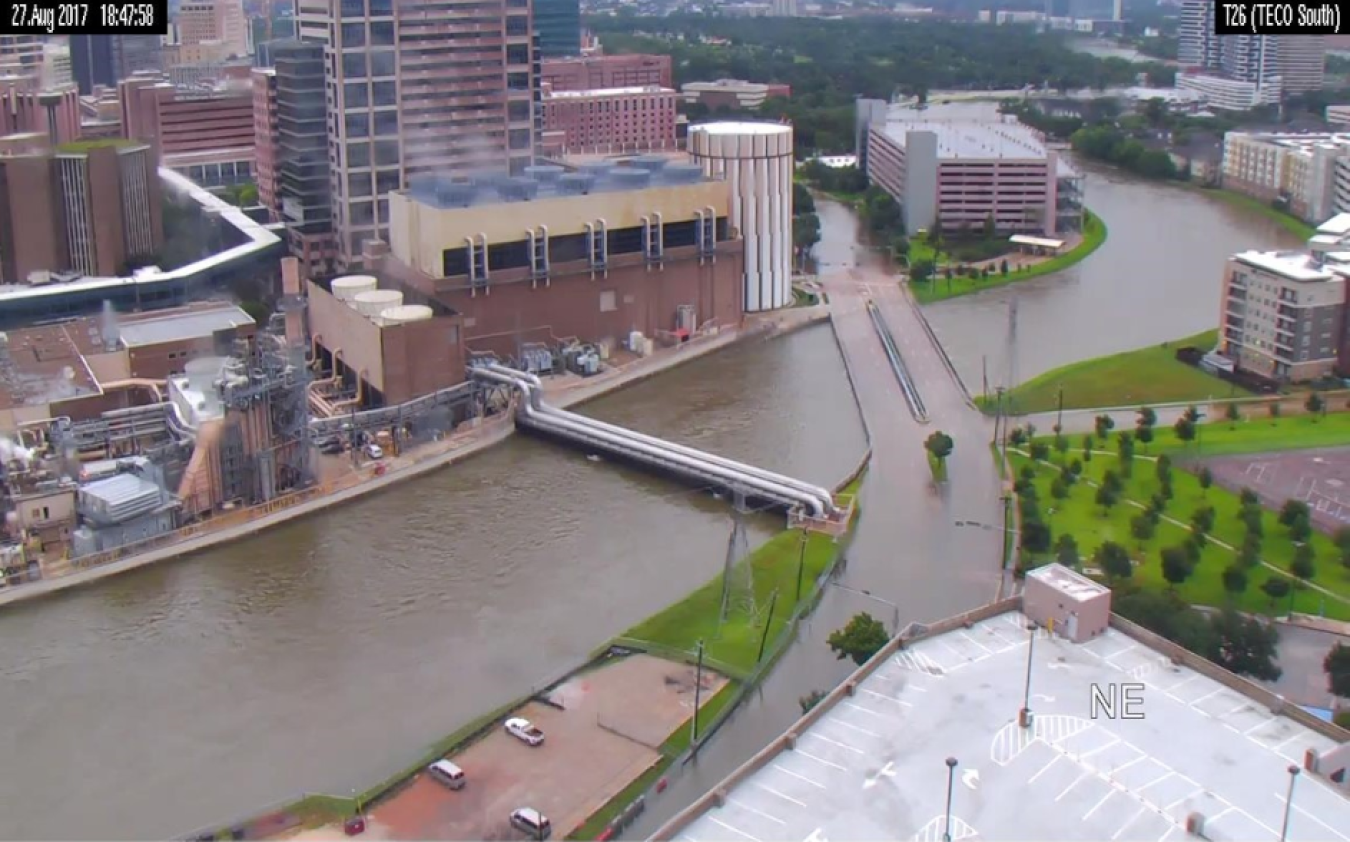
{"x": 444, "y": 88}
{"x": 1291, "y": 63}
{"x": 610, "y": 120}
{"x": 1283, "y": 313}
{"x": 1309, "y": 174}
{"x": 265, "y": 138}
{"x": 1227, "y": 94}
{"x": 210, "y": 22}
{"x": 960, "y": 174}
{"x": 595, "y": 72}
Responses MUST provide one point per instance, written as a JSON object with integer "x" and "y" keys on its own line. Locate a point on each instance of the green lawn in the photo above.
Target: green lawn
{"x": 1079, "y": 516}
{"x": 1257, "y": 432}
{"x": 939, "y": 288}
{"x": 736, "y": 642}
{"x": 1291, "y": 223}
{"x": 1132, "y": 378}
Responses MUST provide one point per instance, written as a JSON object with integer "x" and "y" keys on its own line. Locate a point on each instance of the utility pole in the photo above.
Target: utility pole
{"x": 1024, "y": 716}
{"x": 698, "y": 696}
{"x": 801, "y": 565}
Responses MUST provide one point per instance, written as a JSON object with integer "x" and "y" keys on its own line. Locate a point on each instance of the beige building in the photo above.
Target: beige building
{"x": 1307, "y": 173}
{"x": 217, "y": 25}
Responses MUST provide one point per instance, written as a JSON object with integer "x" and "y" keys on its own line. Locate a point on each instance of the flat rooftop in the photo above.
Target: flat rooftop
{"x": 1294, "y": 265}
{"x": 587, "y": 93}
{"x": 181, "y": 326}
{"x": 972, "y": 138}
{"x": 1304, "y": 143}
{"x": 873, "y": 766}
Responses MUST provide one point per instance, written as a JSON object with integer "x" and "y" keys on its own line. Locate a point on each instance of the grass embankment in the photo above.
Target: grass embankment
{"x": 1132, "y": 378}
{"x": 732, "y": 646}
{"x": 939, "y": 288}
{"x": 1289, "y": 222}
{"x": 1079, "y": 515}
{"x": 1256, "y": 432}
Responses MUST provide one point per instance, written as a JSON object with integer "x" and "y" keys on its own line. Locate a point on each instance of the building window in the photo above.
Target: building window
{"x": 518, "y": 54}
{"x": 355, "y": 95}
{"x": 608, "y": 301}
{"x": 358, "y": 154}
{"x": 382, "y": 63}
{"x": 363, "y": 213}
{"x": 385, "y": 181}
{"x": 382, "y": 34}
{"x": 386, "y": 123}
{"x": 517, "y": 25}
{"x": 386, "y": 153}
{"x": 520, "y": 138}
{"x": 353, "y": 35}
{"x": 354, "y": 65}
{"x": 358, "y": 125}
{"x": 385, "y": 93}
{"x": 358, "y": 184}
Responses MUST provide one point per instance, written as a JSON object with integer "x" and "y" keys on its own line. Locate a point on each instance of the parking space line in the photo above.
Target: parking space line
{"x": 746, "y": 807}
{"x": 1286, "y": 742}
{"x": 844, "y": 746}
{"x": 1263, "y": 723}
{"x": 1168, "y": 834}
{"x": 1045, "y": 768}
{"x": 819, "y": 760}
{"x": 982, "y": 647}
{"x": 786, "y": 771}
{"x": 1154, "y": 782}
{"x": 844, "y": 724}
{"x": 1225, "y": 811}
{"x": 1178, "y": 686}
{"x": 1140, "y": 759}
{"x": 870, "y": 712}
{"x": 1242, "y": 706}
{"x": 1115, "y": 741}
{"x": 1076, "y": 781}
{"x": 715, "y": 820}
{"x": 1302, "y": 812}
{"x": 772, "y": 791}
{"x": 1207, "y": 696}
{"x": 1098, "y": 805}
{"x": 884, "y": 696}
{"x": 1132, "y": 820}
{"x": 1181, "y": 801}
{"x": 1115, "y": 655}
{"x": 952, "y": 649}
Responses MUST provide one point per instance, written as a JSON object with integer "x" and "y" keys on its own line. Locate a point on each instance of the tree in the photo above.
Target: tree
{"x": 1301, "y": 530}
{"x": 1062, "y": 445}
{"x": 1040, "y": 451}
{"x": 1302, "y": 566}
{"x": 900, "y": 247}
{"x": 1246, "y": 645}
{"x": 1145, "y": 436}
{"x": 1114, "y": 561}
{"x": 1234, "y": 580}
{"x": 1192, "y": 414}
{"x": 1165, "y": 489}
{"x": 1248, "y": 497}
{"x": 1176, "y": 567}
{"x": 1066, "y": 551}
{"x": 1143, "y": 528}
{"x": 1017, "y": 437}
{"x": 1203, "y": 518}
{"x": 921, "y": 270}
{"x": 1249, "y": 555}
{"x": 1315, "y": 404}
{"x": 1233, "y": 414}
{"x": 1088, "y": 442}
{"x": 863, "y": 637}
{"x": 1198, "y": 538}
{"x": 1125, "y": 444}
{"x": 1036, "y": 536}
{"x": 1293, "y": 511}
{"x": 1276, "y": 587}
{"x": 1003, "y": 268}
{"x": 1273, "y": 409}
{"x": 1185, "y": 430}
{"x": 1206, "y": 477}
{"x": 1103, "y": 424}
{"x": 939, "y": 446}
{"x": 1163, "y": 468}
{"x": 1146, "y": 417}
{"x": 1254, "y": 519}
{"x": 810, "y": 700}
{"x": 1337, "y": 667}
{"x": 1059, "y": 489}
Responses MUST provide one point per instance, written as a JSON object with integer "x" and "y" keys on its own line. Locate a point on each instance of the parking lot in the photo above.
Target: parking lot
{"x": 608, "y": 732}
{"x": 1320, "y": 478}
{"x": 874, "y": 766}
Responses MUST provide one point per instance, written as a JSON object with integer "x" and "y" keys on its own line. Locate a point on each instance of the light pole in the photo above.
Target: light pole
{"x": 1024, "y": 715}
{"x": 1289, "y": 802}
{"x": 989, "y": 527}
{"x": 895, "y": 609}
{"x": 947, "y": 821}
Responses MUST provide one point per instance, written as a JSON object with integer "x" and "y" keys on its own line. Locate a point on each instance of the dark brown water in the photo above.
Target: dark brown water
{"x": 324, "y": 655}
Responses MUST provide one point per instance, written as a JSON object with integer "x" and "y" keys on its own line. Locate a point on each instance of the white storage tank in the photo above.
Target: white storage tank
{"x": 348, "y": 287}
{"x": 406, "y": 313}
{"x": 756, "y": 160}
{"x": 374, "y": 302}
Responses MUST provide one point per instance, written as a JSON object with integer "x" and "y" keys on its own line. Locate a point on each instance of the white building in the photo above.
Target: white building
{"x": 1307, "y": 173}
{"x": 1229, "y": 94}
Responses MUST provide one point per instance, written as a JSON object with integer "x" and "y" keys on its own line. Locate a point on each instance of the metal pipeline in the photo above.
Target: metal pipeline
{"x": 823, "y": 497}
{"x": 697, "y": 463}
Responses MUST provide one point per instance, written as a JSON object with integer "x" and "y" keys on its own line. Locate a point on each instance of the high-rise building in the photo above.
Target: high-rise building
{"x": 301, "y": 161}
{"x": 110, "y": 201}
{"x": 21, "y": 55}
{"x": 1292, "y": 63}
{"x": 32, "y": 228}
{"x": 558, "y": 23}
{"x": 592, "y": 72}
{"x": 207, "y": 21}
{"x": 447, "y": 88}
{"x": 265, "y": 137}
{"x": 612, "y": 120}
{"x": 108, "y": 59}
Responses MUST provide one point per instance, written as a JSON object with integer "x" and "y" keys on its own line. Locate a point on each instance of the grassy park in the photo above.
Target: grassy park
{"x": 940, "y": 288}
{"x": 1143, "y": 376}
{"x": 1255, "y": 431}
{"x": 1079, "y": 514}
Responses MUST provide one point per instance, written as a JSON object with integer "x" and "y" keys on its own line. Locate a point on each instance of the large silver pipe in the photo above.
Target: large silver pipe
{"x": 823, "y": 497}
{"x": 696, "y": 464}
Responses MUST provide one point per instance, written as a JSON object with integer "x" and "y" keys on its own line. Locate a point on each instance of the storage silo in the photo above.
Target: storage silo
{"x": 756, "y": 160}
{"x": 347, "y": 287}
{"x": 376, "y": 301}
{"x": 406, "y": 313}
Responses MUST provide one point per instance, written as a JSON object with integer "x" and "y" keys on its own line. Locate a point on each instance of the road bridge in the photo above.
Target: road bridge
{"x": 808, "y": 506}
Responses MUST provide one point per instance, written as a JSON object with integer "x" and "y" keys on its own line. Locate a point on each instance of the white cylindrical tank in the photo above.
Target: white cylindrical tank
{"x": 374, "y": 302}
{"x": 756, "y": 160}
{"x": 348, "y": 287}
{"x": 406, "y": 313}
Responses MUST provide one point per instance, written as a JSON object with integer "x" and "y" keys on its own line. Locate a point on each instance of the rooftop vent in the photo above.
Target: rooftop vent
{"x": 576, "y": 184}
{"x": 631, "y": 179}
{"x": 655, "y": 163}
{"x": 455, "y": 194}
{"x": 544, "y": 173}
{"x": 489, "y": 178}
{"x": 518, "y": 189}
{"x": 596, "y": 168}
{"x": 422, "y": 186}
{"x": 682, "y": 174}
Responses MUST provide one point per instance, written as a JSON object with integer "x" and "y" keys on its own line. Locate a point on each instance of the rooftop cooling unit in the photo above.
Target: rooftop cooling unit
{"x": 654, "y": 163}
{"x": 489, "y": 179}
{"x": 576, "y": 184}
{"x": 518, "y": 189}
{"x": 682, "y": 174}
{"x": 599, "y": 169}
{"x": 631, "y": 179}
{"x": 455, "y": 194}
{"x": 423, "y": 186}
{"x": 544, "y": 173}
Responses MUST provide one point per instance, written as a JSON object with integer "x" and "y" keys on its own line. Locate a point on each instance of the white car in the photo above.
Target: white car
{"x": 525, "y": 731}
{"x": 374, "y": 451}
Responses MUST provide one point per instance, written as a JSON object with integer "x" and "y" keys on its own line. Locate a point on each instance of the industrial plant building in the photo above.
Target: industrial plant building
{"x": 959, "y": 174}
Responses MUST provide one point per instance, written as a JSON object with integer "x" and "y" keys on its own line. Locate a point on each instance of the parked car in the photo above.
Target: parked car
{"x": 532, "y": 822}
{"x": 525, "y": 731}
{"x": 374, "y": 451}
{"x": 331, "y": 446}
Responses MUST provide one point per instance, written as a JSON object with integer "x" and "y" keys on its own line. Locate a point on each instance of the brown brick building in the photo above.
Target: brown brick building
{"x": 591, "y": 72}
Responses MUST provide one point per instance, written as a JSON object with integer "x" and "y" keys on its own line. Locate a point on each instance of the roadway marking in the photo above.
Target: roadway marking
{"x": 746, "y": 807}
{"x": 715, "y": 820}
{"x": 887, "y": 698}
{"x": 1132, "y": 820}
{"x": 820, "y": 760}
{"x": 1302, "y": 812}
{"x": 1277, "y": 748}
{"x": 844, "y": 746}
{"x": 1206, "y": 696}
{"x": 841, "y": 723}
{"x": 1098, "y": 805}
{"x": 1045, "y": 768}
{"x": 1242, "y": 706}
{"x": 871, "y": 712}
{"x": 982, "y": 647}
{"x": 773, "y": 791}
{"x": 1117, "y": 654}
{"x": 1175, "y": 687}
{"x": 1154, "y": 782}
{"x": 1075, "y": 783}
{"x": 785, "y": 770}
{"x": 1263, "y": 723}
{"x": 1181, "y": 801}
{"x": 1115, "y": 741}
{"x": 1140, "y": 759}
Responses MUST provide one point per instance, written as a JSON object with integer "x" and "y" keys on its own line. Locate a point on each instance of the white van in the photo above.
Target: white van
{"x": 447, "y": 773}
{"x": 532, "y": 822}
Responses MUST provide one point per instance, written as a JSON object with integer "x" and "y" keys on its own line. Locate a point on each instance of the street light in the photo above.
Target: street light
{"x": 1024, "y": 715}
{"x": 1289, "y": 801}
{"x": 989, "y": 527}
{"x": 951, "y": 779}
{"x": 894, "y": 608}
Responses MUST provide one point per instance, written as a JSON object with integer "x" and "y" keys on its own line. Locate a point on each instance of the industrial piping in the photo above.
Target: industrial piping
{"x": 823, "y": 497}
{"x": 556, "y": 422}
